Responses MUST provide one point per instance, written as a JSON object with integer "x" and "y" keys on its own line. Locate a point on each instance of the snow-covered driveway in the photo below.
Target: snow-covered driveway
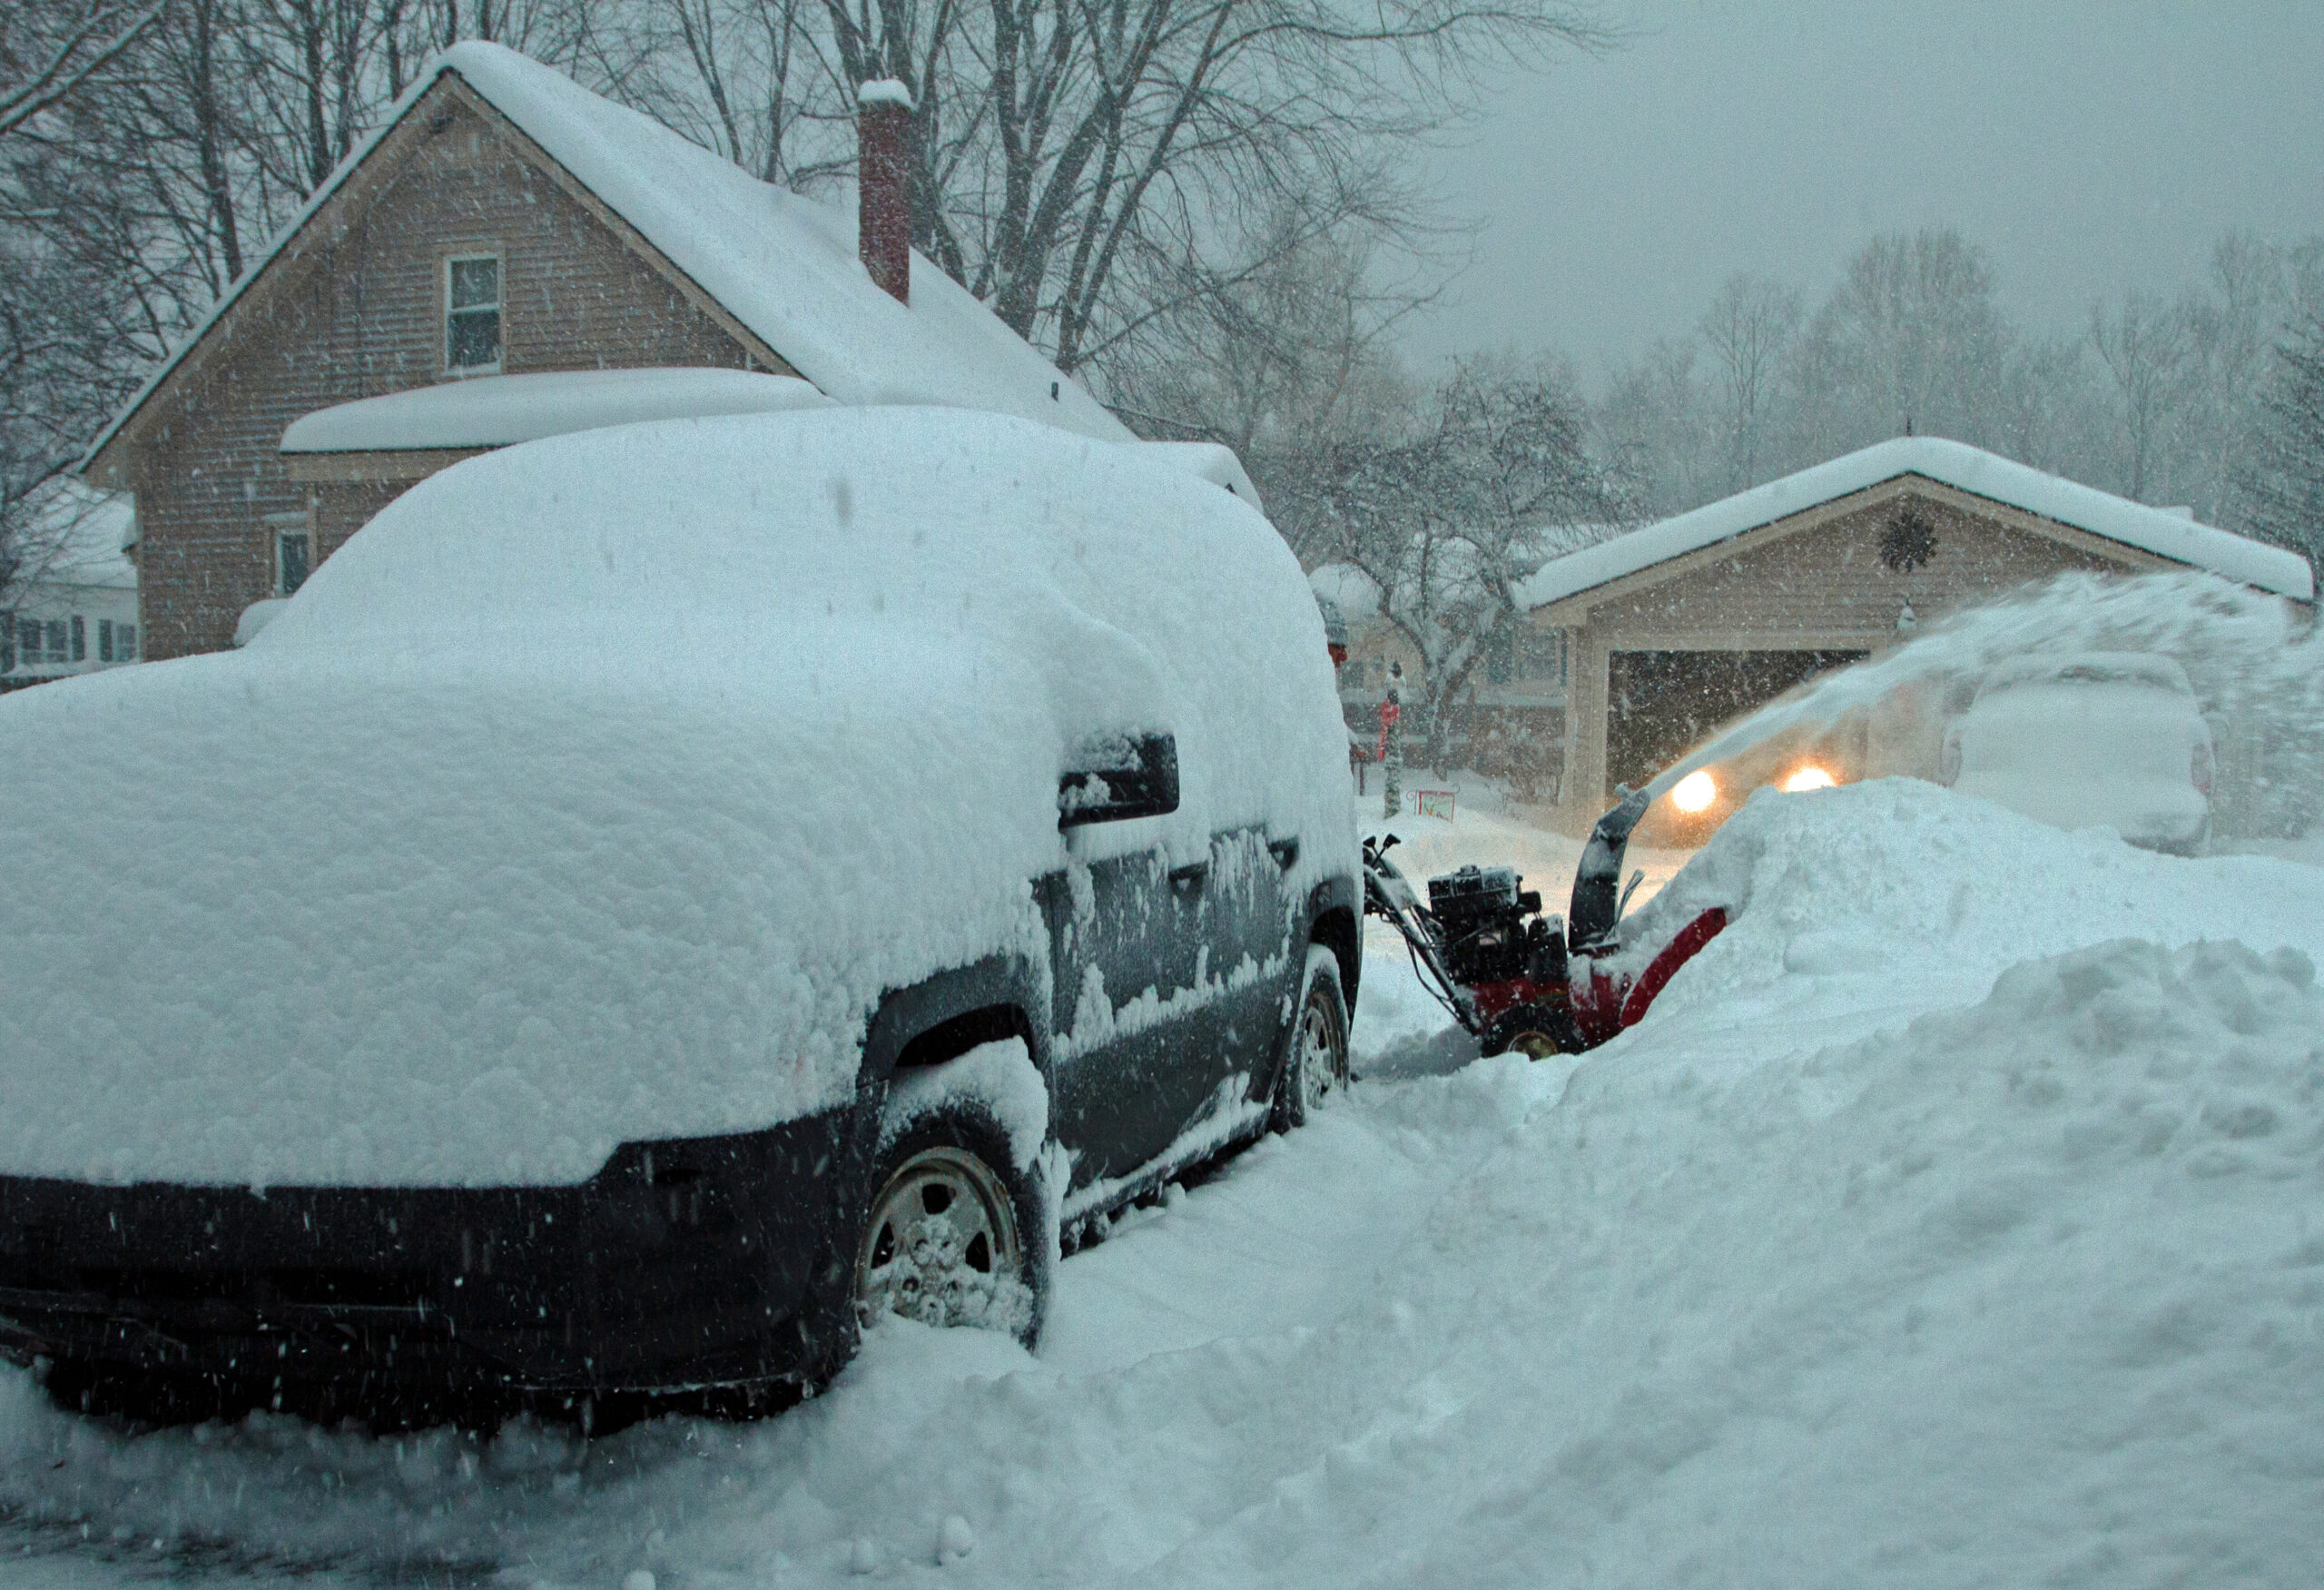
{"x": 1953, "y": 1219}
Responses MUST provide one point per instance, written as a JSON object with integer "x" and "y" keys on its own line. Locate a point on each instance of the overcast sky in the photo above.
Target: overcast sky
{"x": 2088, "y": 146}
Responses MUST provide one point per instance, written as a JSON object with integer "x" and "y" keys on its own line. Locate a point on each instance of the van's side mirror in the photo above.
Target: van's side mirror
{"x": 1108, "y": 778}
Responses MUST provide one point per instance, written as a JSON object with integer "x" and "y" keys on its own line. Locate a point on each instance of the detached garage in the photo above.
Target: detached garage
{"x": 1676, "y": 629}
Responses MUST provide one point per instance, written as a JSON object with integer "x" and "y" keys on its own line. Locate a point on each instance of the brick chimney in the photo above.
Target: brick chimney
{"x": 883, "y": 185}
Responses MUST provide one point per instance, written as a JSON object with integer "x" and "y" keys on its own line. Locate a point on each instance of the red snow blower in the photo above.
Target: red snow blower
{"x": 1519, "y": 980}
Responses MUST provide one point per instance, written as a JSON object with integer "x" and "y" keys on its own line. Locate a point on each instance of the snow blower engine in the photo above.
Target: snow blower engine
{"x": 1521, "y": 981}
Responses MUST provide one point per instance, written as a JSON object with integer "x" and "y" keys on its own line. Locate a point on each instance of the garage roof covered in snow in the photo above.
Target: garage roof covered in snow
{"x": 783, "y": 266}
{"x": 2161, "y": 532}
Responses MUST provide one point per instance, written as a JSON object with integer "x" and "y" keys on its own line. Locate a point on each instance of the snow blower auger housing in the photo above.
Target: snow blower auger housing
{"x": 1519, "y": 980}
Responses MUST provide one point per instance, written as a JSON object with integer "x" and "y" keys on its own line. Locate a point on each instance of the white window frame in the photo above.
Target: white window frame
{"x": 499, "y": 309}
{"x": 278, "y": 525}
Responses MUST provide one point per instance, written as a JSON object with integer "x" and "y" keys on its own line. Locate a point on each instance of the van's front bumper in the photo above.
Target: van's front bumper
{"x": 681, "y": 1265}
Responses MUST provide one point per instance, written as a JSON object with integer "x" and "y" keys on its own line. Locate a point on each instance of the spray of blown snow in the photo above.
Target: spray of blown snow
{"x": 2256, "y": 662}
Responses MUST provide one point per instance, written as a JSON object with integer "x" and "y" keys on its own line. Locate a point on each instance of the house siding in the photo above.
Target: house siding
{"x": 363, "y": 315}
{"x": 1830, "y": 580}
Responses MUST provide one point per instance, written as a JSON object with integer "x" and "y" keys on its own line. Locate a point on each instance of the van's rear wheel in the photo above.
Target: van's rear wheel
{"x": 946, "y": 1239}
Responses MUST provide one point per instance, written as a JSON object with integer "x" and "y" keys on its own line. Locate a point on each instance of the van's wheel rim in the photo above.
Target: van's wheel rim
{"x": 1321, "y": 1059}
{"x": 941, "y": 1245}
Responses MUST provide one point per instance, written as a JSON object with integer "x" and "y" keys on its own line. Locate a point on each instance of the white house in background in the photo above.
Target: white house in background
{"x": 75, "y": 609}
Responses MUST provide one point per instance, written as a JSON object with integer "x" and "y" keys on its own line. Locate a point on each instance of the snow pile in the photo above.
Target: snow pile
{"x": 1911, "y": 895}
{"x": 601, "y": 787}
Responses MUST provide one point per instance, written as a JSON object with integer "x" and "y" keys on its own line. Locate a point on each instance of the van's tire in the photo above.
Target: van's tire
{"x": 1315, "y": 1062}
{"x": 953, "y": 1232}
{"x": 1535, "y": 1032}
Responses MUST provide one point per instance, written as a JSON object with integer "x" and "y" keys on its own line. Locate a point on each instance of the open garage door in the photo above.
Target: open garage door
{"x": 1659, "y": 704}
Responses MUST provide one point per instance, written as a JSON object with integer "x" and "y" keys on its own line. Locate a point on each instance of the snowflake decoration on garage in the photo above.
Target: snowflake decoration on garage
{"x": 1909, "y": 541}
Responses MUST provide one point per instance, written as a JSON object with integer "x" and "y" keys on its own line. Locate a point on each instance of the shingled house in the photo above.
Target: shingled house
{"x": 510, "y": 256}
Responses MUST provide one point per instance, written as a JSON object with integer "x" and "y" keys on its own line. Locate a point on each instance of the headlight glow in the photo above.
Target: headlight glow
{"x": 1694, "y": 793}
{"x": 1809, "y": 778}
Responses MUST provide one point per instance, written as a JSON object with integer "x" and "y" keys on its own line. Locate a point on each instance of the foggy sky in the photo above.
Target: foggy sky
{"x": 2088, "y": 146}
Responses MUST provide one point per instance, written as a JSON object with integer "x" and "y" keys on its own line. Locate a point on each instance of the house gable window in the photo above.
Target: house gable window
{"x": 472, "y": 314}
{"x": 291, "y": 561}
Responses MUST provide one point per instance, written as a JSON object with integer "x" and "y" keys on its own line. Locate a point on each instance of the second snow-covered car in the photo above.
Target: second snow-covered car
{"x": 655, "y": 899}
{"x": 2085, "y": 739}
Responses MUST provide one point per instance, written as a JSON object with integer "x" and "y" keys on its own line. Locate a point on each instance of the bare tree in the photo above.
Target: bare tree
{"x": 2284, "y": 478}
{"x": 2144, "y": 346}
{"x": 1750, "y": 328}
{"x": 1920, "y": 340}
{"x": 2045, "y": 404}
{"x": 49, "y": 51}
{"x": 1089, "y": 167}
{"x": 1447, "y": 521}
{"x": 2231, "y": 326}
{"x": 1657, "y": 431}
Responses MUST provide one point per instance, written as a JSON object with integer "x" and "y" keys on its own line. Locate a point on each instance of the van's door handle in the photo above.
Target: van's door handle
{"x": 1190, "y": 877}
{"x": 1285, "y": 853}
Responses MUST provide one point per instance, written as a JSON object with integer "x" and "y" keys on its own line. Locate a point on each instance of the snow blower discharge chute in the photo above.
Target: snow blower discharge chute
{"x": 1519, "y": 980}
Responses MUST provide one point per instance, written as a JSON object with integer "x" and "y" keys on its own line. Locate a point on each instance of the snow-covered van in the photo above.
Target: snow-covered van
{"x": 2078, "y": 739}
{"x": 655, "y": 899}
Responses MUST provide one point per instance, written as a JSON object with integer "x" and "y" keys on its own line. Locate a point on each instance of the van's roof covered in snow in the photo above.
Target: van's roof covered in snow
{"x": 602, "y": 785}
{"x": 2096, "y": 667}
{"x": 785, "y": 266}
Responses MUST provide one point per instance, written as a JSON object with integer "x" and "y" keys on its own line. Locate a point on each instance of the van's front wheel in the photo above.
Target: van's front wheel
{"x": 945, "y": 1241}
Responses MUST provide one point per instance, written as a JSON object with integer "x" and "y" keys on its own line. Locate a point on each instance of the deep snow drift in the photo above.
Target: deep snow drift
{"x": 1953, "y": 1219}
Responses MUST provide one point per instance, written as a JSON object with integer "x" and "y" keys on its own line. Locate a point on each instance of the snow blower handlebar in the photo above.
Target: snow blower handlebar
{"x": 1509, "y": 974}
{"x": 1388, "y": 894}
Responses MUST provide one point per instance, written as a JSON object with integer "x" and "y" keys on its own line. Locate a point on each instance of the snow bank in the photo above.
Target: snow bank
{"x": 1917, "y": 893}
{"x": 602, "y": 785}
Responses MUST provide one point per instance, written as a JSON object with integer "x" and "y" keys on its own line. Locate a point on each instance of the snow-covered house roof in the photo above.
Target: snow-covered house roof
{"x": 2164, "y": 532}
{"x": 785, "y": 267}
{"x": 77, "y": 536}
